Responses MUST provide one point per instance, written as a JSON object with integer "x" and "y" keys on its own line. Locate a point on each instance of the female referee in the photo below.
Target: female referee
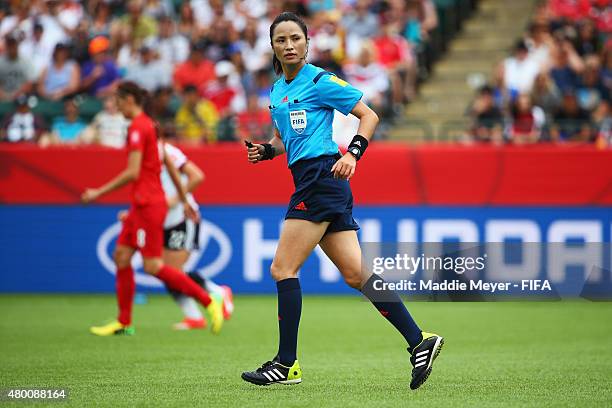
{"x": 320, "y": 210}
{"x": 143, "y": 227}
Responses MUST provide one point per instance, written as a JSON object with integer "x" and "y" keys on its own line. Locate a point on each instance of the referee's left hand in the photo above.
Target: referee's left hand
{"x": 345, "y": 167}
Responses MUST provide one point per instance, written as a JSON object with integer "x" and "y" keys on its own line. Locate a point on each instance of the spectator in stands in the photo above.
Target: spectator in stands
{"x": 196, "y": 71}
{"x": 518, "y": 72}
{"x": 325, "y": 45}
{"x": 487, "y": 119}
{"x": 566, "y": 66}
{"x": 196, "y": 120}
{"x": 606, "y": 71}
{"x": 16, "y": 74}
{"x": 156, "y": 9}
{"x": 108, "y": 127}
{"x": 18, "y": 20}
{"x": 591, "y": 89}
{"x": 100, "y": 74}
{"x": 101, "y": 20}
{"x": 360, "y": 24}
{"x": 22, "y": 125}
{"x": 225, "y": 92}
{"x": 220, "y": 42}
{"x": 172, "y": 48}
{"x": 162, "y": 112}
{"x": 67, "y": 129}
{"x": 527, "y": 121}
{"x": 80, "y": 43}
{"x": 187, "y": 24}
{"x": 540, "y": 44}
{"x": 394, "y": 52}
{"x": 412, "y": 29}
{"x": 62, "y": 77}
{"x": 262, "y": 85}
{"x": 601, "y": 13}
{"x": 369, "y": 77}
{"x": 59, "y": 19}
{"x": 134, "y": 24}
{"x": 429, "y": 17}
{"x": 571, "y": 122}
{"x": 253, "y": 48}
{"x": 227, "y": 95}
{"x": 37, "y": 49}
{"x": 255, "y": 123}
{"x": 588, "y": 41}
{"x": 545, "y": 94}
{"x": 148, "y": 72}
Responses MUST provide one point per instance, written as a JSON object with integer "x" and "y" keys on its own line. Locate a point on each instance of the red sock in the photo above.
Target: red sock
{"x": 182, "y": 283}
{"x": 125, "y": 287}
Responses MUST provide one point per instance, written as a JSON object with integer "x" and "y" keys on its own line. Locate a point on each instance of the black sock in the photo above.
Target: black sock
{"x": 197, "y": 278}
{"x": 390, "y": 305}
{"x": 175, "y": 295}
{"x": 289, "y": 311}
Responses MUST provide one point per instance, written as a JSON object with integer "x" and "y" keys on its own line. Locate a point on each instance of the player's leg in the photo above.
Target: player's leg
{"x": 193, "y": 318}
{"x": 222, "y": 291}
{"x": 298, "y": 239}
{"x": 124, "y": 281}
{"x": 149, "y": 222}
{"x": 344, "y": 251}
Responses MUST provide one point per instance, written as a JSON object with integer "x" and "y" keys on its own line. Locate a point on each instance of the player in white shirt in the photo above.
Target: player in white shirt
{"x": 181, "y": 236}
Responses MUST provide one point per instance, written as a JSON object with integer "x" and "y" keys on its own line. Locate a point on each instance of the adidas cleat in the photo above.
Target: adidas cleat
{"x": 423, "y": 357}
{"x": 112, "y": 329}
{"x": 273, "y": 372}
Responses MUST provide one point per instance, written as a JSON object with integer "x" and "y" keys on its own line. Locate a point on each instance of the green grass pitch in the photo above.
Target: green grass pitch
{"x": 496, "y": 354}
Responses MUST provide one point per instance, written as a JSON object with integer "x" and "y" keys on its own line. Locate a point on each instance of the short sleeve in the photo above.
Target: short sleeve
{"x": 178, "y": 158}
{"x": 337, "y": 94}
{"x": 135, "y": 139}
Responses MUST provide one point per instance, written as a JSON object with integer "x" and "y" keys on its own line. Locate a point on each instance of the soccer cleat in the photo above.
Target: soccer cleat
{"x": 423, "y": 357}
{"x": 111, "y": 329}
{"x": 215, "y": 313}
{"x": 228, "y": 302}
{"x": 273, "y": 372}
{"x": 190, "y": 324}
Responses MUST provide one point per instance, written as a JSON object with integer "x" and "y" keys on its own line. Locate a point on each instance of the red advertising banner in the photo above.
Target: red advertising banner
{"x": 389, "y": 174}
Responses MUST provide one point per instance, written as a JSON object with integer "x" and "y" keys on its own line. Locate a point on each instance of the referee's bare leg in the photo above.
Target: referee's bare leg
{"x": 344, "y": 251}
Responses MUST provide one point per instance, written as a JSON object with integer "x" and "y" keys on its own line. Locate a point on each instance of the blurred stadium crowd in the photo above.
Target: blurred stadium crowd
{"x": 556, "y": 85}
{"x": 207, "y": 65}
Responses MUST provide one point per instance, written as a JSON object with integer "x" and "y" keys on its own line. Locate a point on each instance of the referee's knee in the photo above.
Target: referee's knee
{"x": 279, "y": 273}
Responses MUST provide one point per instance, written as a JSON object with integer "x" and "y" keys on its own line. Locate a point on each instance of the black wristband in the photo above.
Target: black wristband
{"x": 358, "y": 146}
{"x": 269, "y": 152}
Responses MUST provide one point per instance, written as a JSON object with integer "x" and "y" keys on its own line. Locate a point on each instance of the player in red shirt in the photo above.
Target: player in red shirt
{"x": 143, "y": 228}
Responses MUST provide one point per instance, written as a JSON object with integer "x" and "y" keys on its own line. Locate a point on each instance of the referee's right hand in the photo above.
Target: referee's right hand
{"x": 255, "y": 153}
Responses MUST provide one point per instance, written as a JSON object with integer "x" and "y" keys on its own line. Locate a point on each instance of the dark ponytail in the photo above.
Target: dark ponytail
{"x": 285, "y": 16}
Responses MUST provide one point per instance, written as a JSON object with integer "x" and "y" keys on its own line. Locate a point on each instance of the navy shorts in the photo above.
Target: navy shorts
{"x": 319, "y": 196}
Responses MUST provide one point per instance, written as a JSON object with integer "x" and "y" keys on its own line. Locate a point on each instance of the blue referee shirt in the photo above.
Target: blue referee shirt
{"x": 303, "y": 111}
